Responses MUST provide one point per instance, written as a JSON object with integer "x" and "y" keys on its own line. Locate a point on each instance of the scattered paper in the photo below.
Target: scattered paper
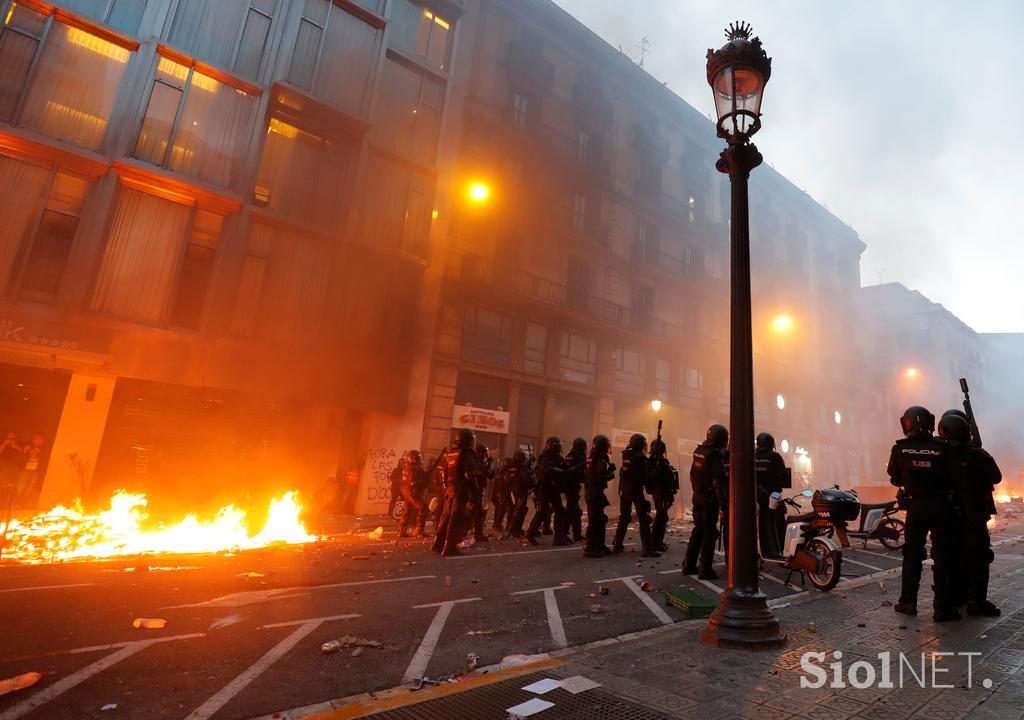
{"x": 542, "y": 686}
{"x": 528, "y": 708}
{"x": 109, "y": 706}
{"x": 577, "y": 684}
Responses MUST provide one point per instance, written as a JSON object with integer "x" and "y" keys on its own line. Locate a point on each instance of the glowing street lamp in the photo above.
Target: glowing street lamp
{"x": 911, "y": 373}
{"x": 479, "y": 192}
{"x": 737, "y": 74}
{"x": 780, "y": 401}
{"x": 656, "y": 405}
{"x": 782, "y": 323}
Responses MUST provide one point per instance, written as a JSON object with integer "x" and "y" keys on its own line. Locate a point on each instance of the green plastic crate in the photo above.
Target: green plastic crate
{"x": 693, "y": 604}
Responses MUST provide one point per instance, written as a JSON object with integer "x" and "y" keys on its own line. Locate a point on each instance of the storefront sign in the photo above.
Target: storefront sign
{"x": 620, "y": 438}
{"x": 474, "y": 418}
{"x": 30, "y": 331}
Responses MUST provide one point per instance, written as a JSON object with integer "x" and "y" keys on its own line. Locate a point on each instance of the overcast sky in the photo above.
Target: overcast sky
{"x": 903, "y": 118}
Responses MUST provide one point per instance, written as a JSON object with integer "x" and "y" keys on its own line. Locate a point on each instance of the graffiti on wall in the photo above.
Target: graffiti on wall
{"x": 377, "y": 478}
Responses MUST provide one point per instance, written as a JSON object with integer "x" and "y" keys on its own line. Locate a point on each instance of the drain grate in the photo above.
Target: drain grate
{"x": 489, "y": 703}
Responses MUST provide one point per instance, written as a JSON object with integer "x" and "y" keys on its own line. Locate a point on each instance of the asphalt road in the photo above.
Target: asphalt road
{"x": 244, "y": 630}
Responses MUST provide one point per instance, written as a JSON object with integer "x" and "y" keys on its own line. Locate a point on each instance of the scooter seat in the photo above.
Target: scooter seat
{"x": 806, "y": 517}
{"x": 864, "y": 507}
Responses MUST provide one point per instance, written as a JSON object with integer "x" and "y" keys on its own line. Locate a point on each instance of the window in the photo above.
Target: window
{"x": 304, "y": 176}
{"x": 578, "y": 358}
{"x": 397, "y": 209}
{"x": 123, "y": 15}
{"x": 662, "y": 375}
{"x": 149, "y": 271}
{"x": 691, "y": 207}
{"x": 38, "y": 266}
{"x": 693, "y": 379}
{"x": 645, "y": 301}
{"x": 195, "y": 124}
{"x": 535, "y": 358}
{"x": 583, "y": 147}
{"x": 487, "y": 337}
{"x": 520, "y": 103}
{"x": 629, "y": 361}
{"x": 334, "y": 55}
{"x": 283, "y": 288}
{"x": 645, "y": 243}
{"x": 421, "y": 33}
{"x": 409, "y": 112}
{"x": 65, "y": 86}
{"x": 231, "y": 34}
{"x": 579, "y": 213}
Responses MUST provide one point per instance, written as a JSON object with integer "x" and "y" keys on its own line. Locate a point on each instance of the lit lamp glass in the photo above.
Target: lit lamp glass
{"x": 780, "y": 402}
{"x": 656, "y": 405}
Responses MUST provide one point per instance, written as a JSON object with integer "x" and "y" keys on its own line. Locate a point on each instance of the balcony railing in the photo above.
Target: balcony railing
{"x": 529, "y": 65}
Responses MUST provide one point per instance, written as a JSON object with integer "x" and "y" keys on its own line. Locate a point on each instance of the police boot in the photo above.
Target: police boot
{"x": 983, "y": 608}
{"x": 689, "y": 569}
{"x": 906, "y": 607}
{"x": 946, "y": 614}
{"x": 707, "y": 574}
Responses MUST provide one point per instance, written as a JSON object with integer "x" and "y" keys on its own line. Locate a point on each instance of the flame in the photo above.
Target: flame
{"x": 66, "y": 533}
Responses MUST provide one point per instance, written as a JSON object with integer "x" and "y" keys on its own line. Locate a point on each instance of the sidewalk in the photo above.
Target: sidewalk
{"x": 668, "y": 673}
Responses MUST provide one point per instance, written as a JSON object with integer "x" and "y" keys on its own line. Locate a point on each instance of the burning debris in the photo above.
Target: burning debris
{"x": 70, "y": 533}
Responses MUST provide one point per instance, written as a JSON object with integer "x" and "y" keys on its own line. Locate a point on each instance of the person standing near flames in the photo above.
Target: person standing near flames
{"x": 501, "y": 498}
{"x": 550, "y": 471}
{"x": 975, "y": 475}
{"x": 664, "y": 484}
{"x": 709, "y": 478}
{"x": 599, "y": 472}
{"x": 460, "y": 466}
{"x": 921, "y": 464}
{"x": 521, "y": 482}
{"x": 482, "y": 482}
{"x": 413, "y": 486}
{"x": 576, "y": 462}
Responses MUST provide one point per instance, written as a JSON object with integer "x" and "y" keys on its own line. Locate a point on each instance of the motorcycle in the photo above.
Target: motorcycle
{"x": 807, "y": 545}
{"x": 876, "y": 520}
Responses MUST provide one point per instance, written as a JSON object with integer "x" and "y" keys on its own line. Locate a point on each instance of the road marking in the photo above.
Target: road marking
{"x": 630, "y": 582}
{"x": 847, "y": 558}
{"x": 76, "y": 678}
{"x": 251, "y": 597}
{"x": 877, "y": 554}
{"x": 769, "y": 576}
{"x": 45, "y": 587}
{"x": 318, "y": 620}
{"x": 95, "y": 648}
{"x": 226, "y": 693}
{"x": 710, "y": 584}
{"x": 554, "y": 616}
{"x": 418, "y": 666}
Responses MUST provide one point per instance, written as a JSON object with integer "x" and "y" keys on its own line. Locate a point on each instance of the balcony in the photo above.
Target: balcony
{"x": 595, "y": 107}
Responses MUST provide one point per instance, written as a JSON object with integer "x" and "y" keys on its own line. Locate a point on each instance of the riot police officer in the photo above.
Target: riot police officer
{"x": 414, "y": 485}
{"x": 459, "y": 474}
{"x": 520, "y": 485}
{"x": 599, "y": 472}
{"x": 770, "y": 471}
{"x": 501, "y": 498}
{"x": 975, "y": 474}
{"x": 920, "y": 464}
{"x": 482, "y": 481}
{"x": 550, "y": 470}
{"x": 664, "y": 484}
{"x": 709, "y": 477}
{"x": 576, "y": 465}
{"x": 632, "y": 477}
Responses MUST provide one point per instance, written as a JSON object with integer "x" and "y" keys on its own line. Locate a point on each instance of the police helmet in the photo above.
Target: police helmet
{"x": 718, "y": 436}
{"x": 658, "y": 447}
{"x": 917, "y": 421}
{"x": 765, "y": 441}
{"x": 601, "y": 443}
{"x": 519, "y": 457}
{"x": 579, "y": 445}
{"x": 467, "y": 438}
{"x": 482, "y": 450}
{"x": 638, "y": 441}
{"x": 414, "y": 457}
{"x": 553, "y": 444}
{"x": 954, "y": 429}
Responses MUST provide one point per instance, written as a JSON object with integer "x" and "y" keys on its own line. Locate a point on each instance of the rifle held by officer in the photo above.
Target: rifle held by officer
{"x": 975, "y": 433}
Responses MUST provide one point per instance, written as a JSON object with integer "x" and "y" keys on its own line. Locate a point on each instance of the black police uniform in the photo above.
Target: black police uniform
{"x": 709, "y": 477}
{"x": 770, "y": 471}
{"x": 550, "y": 469}
{"x": 664, "y": 483}
{"x": 576, "y": 463}
{"x": 501, "y": 498}
{"x": 459, "y": 471}
{"x": 482, "y": 480}
{"x": 632, "y": 477}
{"x": 414, "y": 485}
{"x": 599, "y": 472}
{"x": 921, "y": 465}
{"x": 975, "y": 474}
{"x": 521, "y": 482}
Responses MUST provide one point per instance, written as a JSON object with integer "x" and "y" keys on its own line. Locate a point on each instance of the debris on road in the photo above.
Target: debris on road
{"x": 602, "y": 590}
{"x": 20, "y": 682}
{"x": 149, "y": 623}
{"x": 252, "y": 574}
{"x": 596, "y": 609}
{"x": 109, "y": 706}
{"x": 812, "y": 627}
{"x": 360, "y": 557}
{"x": 226, "y": 621}
{"x": 472, "y": 660}
{"x": 447, "y": 580}
{"x": 357, "y": 652}
{"x": 881, "y": 586}
{"x": 472, "y": 633}
{"x": 646, "y": 586}
{"x": 347, "y": 641}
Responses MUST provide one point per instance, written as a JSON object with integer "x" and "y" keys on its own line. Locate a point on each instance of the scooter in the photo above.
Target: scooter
{"x": 877, "y": 521}
{"x": 807, "y": 546}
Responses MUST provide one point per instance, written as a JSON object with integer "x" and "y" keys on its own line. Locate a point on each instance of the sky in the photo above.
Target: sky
{"x": 900, "y": 117}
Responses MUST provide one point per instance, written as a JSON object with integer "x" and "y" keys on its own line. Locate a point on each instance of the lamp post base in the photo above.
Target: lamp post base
{"x": 743, "y": 621}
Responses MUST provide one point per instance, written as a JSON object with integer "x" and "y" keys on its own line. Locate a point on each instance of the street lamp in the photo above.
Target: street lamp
{"x": 782, "y": 323}
{"x": 479, "y": 192}
{"x": 911, "y": 372}
{"x": 656, "y": 405}
{"x": 737, "y": 74}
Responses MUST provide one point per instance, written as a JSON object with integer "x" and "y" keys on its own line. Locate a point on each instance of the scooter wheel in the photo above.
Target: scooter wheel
{"x": 829, "y": 565}
{"x": 897, "y": 525}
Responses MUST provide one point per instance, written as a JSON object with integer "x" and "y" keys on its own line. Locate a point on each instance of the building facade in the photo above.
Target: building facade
{"x": 220, "y": 218}
{"x": 597, "y": 279}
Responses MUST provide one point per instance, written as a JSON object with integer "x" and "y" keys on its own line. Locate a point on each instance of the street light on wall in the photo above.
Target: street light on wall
{"x": 479, "y": 191}
{"x": 656, "y": 405}
{"x": 782, "y": 323}
{"x": 737, "y": 73}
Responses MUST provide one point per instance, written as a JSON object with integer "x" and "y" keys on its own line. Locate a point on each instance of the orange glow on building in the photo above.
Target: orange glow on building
{"x": 97, "y": 45}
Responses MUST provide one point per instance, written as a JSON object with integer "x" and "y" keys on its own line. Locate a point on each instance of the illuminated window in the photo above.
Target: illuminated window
{"x": 207, "y": 138}
{"x": 520, "y": 104}
{"x": 334, "y": 55}
{"x": 420, "y": 32}
{"x": 232, "y": 34}
{"x": 66, "y": 86}
{"x": 579, "y": 213}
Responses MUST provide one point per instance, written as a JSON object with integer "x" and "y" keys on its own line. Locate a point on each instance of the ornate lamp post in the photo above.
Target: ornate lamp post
{"x": 737, "y": 74}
